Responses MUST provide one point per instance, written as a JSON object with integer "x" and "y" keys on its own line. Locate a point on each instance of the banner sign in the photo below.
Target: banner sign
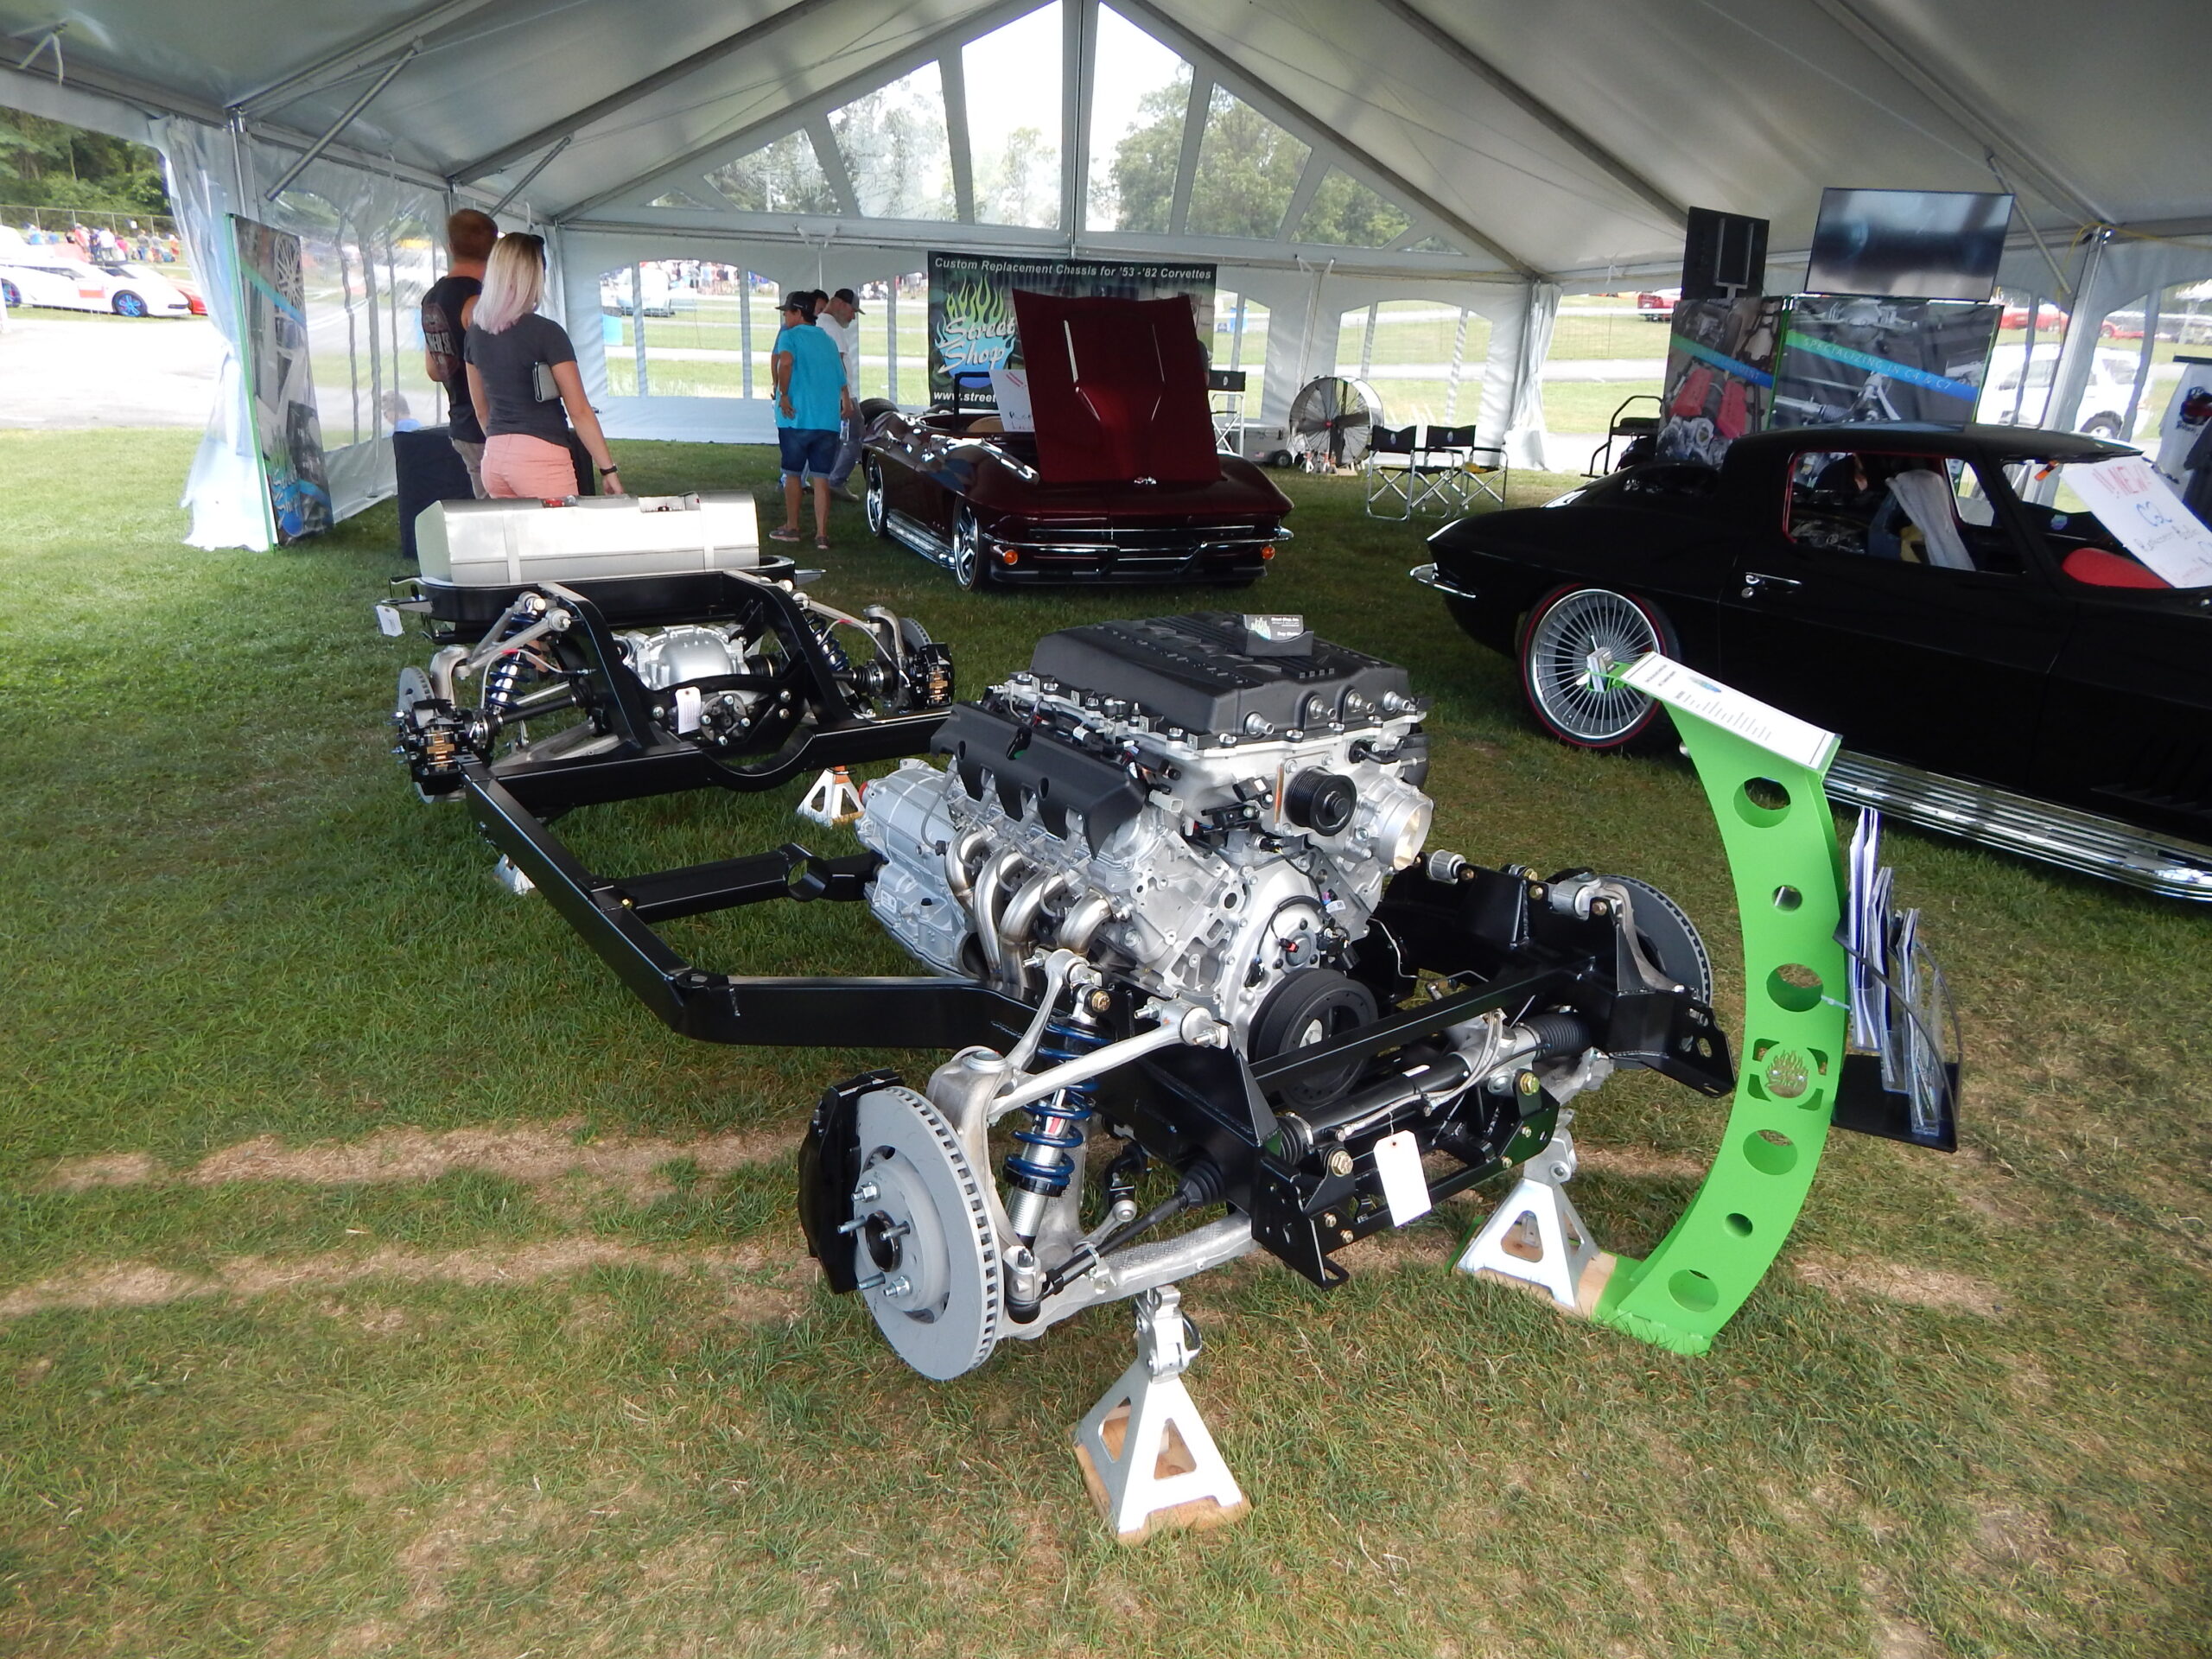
{"x": 2146, "y": 518}
{"x": 280, "y": 386}
{"x": 971, "y": 303}
{"x": 1719, "y": 376}
{"x": 1845, "y": 358}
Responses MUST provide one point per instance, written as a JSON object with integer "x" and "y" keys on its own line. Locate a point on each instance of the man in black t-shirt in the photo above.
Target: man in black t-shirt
{"x": 446, "y": 306}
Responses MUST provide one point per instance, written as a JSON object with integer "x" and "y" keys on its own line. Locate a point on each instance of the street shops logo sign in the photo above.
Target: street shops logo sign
{"x": 971, "y": 303}
{"x": 971, "y": 327}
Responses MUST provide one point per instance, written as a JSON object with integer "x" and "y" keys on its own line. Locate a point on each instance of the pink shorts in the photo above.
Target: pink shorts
{"x": 515, "y": 464}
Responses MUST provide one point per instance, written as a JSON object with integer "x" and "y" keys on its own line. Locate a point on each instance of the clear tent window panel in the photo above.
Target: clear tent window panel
{"x": 693, "y": 316}
{"x": 1345, "y": 213}
{"x": 1248, "y": 169}
{"x": 1240, "y": 341}
{"x": 782, "y": 177}
{"x": 895, "y": 151}
{"x": 1424, "y": 358}
{"x": 1140, "y": 97}
{"x": 1013, "y": 81}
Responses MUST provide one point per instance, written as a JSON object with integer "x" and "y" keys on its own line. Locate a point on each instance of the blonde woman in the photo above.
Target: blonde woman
{"x": 526, "y": 439}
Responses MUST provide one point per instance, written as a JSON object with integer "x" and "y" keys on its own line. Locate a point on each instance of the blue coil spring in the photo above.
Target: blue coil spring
{"x": 825, "y": 634}
{"x": 499, "y": 680}
{"x": 1071, "y": 1108}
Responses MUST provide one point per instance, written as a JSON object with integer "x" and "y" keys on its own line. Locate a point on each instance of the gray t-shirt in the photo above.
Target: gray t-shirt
{"x": 505, "y": 360}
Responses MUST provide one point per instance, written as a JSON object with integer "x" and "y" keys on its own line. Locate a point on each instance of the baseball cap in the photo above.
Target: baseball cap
{"x": 851, "y": 299}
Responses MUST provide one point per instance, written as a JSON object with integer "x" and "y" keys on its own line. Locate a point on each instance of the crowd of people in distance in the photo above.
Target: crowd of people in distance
{"x": 102, "y": 246}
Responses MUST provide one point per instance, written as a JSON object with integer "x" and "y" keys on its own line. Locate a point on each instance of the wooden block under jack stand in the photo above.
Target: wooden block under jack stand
{"x": 1146, "y": 1454}
{"x": 1174, "y": 1458}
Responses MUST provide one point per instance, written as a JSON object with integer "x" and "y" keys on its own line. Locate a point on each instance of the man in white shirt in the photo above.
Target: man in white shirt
{"x": 836, "y": 319}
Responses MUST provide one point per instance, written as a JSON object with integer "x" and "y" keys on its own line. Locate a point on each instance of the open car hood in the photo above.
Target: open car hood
{"x": 1119, "y": 390}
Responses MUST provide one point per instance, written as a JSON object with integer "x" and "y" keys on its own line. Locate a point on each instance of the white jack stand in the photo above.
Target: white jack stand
{"x": 1145, "y": 1454}
{"x": 1561, "y": 1258}
{"x": 833, "y": 798}
{"x": 508, "y": 876}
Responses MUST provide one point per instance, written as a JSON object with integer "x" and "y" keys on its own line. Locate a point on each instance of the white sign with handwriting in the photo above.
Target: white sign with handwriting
{"x": 2146, "y": 518}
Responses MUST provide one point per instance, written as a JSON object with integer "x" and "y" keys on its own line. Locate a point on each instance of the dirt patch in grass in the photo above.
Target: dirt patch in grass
{"x": 142, "y": 1285}
{"x": 1893, "y": 1281}
{"x": 546, "y": 1156}
{"x": 1635, "y": 1164}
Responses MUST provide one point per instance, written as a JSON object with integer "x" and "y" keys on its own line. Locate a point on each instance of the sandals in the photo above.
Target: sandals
{"x": 783, "y": 533}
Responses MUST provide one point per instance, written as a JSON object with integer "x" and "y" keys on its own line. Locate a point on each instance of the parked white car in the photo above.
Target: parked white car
{"x": 2007, "y": 401}
{"x": 44, "y": 275}
{"x": 653, "y": 290}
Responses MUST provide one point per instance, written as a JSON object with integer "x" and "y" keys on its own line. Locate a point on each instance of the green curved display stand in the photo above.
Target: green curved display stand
{"x": 1780, "y": 838}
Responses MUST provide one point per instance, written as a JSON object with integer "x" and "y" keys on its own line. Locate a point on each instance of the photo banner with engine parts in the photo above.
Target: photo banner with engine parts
{"x": 1847, "y": 357}
{"x": 280, "y": 385}
{"x": 972, "y": 327}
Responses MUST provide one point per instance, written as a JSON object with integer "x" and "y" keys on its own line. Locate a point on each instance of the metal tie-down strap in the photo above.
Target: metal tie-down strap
{"x": 1145, "y": 1454}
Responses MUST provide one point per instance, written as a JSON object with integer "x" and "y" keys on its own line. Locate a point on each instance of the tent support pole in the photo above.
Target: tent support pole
{"x": 344, "y": 121}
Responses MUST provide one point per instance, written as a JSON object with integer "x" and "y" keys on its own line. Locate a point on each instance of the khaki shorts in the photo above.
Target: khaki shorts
{"x": 472, "y": 456}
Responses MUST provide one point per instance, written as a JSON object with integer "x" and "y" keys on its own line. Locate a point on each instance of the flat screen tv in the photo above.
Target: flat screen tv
{"x": 1921, "y": 244}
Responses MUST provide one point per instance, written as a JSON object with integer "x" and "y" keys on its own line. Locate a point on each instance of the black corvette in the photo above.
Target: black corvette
{"x": 1997, "y": 665}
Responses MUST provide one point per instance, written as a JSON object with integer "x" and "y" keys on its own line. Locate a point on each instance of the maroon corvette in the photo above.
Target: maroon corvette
{"x": 1119, "y": 483}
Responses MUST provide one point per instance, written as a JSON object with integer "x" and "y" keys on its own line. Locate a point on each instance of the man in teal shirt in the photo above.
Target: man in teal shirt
{"x": 812, "y": 397}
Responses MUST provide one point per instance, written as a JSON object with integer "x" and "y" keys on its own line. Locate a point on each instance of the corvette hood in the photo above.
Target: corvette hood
{"x": 1118, "y": 390}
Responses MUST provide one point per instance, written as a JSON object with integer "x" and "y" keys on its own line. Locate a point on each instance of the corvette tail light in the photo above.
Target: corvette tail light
{"x": 1009, "y": 556}
{"x": 1268, "y": 551}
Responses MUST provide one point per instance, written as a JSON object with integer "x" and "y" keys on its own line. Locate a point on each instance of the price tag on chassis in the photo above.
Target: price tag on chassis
{"x": 1404, "y": 1183}
{"x": 387, "y": 622}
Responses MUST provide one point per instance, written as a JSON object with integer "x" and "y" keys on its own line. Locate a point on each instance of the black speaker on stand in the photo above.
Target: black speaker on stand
{"x": 1723, "y": 255}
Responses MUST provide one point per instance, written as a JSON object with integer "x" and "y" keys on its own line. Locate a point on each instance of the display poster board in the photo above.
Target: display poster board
{"x": 1010, "y": 392}
{"x": 280, "y": 385}
{"x": 1719, "y": 376}
{"x": 2146, "y": 518}
{"x": 1856, "y": 359}
{"x": 971, "y": 303}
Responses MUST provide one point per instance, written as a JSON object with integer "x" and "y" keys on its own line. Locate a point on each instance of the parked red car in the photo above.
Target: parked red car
{"x": 1120, "y": 482}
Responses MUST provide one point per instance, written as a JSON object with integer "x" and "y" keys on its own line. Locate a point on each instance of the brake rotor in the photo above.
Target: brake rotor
{"x": 926, "y": 1255}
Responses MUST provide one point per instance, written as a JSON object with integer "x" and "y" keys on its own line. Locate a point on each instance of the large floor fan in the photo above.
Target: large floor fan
{"x": 1330, "y": 420}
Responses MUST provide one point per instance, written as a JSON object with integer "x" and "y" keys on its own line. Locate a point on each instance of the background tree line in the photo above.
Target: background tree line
{"x": 51, "y": 164}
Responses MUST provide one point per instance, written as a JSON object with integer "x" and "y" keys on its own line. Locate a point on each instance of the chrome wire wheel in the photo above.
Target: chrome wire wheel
{"x": 873, "y": 504}
{"x": 1574, "y": 637}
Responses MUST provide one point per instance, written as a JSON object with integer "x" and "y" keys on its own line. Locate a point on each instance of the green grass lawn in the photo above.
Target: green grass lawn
{"x": 380, "y": 1279}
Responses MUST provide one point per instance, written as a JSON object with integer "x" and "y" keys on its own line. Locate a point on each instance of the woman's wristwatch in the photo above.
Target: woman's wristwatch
{"x": 605, "y": 472}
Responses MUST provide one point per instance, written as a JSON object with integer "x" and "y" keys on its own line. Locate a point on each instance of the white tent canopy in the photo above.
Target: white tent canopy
{"x": 1506, "y": 154}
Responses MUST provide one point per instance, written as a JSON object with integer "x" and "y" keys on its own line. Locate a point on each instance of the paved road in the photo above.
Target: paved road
{"x": 66, "y": 371}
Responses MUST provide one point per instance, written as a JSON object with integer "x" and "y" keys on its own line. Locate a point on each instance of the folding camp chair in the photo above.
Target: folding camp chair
{"x": 1389, "y": 471}
{"x": 1450, "y": 469}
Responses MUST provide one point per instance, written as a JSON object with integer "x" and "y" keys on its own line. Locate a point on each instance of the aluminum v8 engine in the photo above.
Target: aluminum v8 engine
{"x": 1212, "y": 804}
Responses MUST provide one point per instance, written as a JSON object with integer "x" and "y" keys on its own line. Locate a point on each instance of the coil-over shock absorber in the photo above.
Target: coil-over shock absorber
{"x": 501, "y": 677}
{"x": 1043, "y": 1160}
